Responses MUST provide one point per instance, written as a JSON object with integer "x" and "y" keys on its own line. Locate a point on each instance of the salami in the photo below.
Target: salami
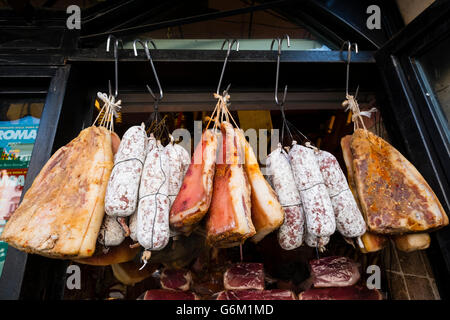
{"x": 133, "y": 226}
{"x": 349, "y": 220}
{"x": 153, "y": 210}
{"x": 320, "y": 221}
{"x": 315, "y": 242}
{"x": 179, "y": 160}
{"x": 123, "y": 185}
{"x": 290, "y": 234}
{"x": 111, "y": 232}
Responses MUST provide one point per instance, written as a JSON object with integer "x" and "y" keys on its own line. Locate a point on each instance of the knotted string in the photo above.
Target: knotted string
{"x": 352, "y": 104}
{"x": 111, "y": 109}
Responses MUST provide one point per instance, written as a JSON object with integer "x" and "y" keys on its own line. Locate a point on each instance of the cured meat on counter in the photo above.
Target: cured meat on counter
{"x": 334, "y": 272}
{"x": 176, "y": 279}
{"x": 267, "y": 213}
{"x": 244, "y": 276}
{"x": 61, "y": 214}
{"x": 194, "y": 197}
{"x": 341, "y": 293}
{"x": 320, "y": 221}
{"x": 275, "y": 294}
{"x": 161, "y": 294}
{"x": 123, "y": 185}
{"x": 229, "y": 219}
{"x": 279, "y": 172}
{"x": 393, "y": 195}
{"x": 349, "y": 220}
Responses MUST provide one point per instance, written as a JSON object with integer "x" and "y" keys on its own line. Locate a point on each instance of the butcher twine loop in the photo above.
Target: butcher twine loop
{"x": 111, "y": 109}
{"x": 357, "y": 114}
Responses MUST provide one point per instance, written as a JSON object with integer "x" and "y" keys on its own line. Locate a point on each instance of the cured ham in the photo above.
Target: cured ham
{"x": 194, "y": 197}
{"x": 161, "y": 294}
{"x": 368, "y": 242}
{"x": 393, "y": 195}
{"x": 267, "y": 213}
{"x": 244, "y": 276}
{"x": 275, "y": 294}
{"x": 229, "y": 219}
{"x": 412, "y": 242}
{"x": 341, "y": 293}
{"x": 176, "y": 279}
{"x": 334, "y": 272}
{"x": 61, "y": 214}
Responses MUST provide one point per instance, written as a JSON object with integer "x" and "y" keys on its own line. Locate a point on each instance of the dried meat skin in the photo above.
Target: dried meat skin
{"x": 341, "y": 293}
{"x": 244, "y": 276}
{"x": 334, "y": 272}
{"x": 274, "y": 294}
{"x": 267, "y": 213}
{"x": 194, "y": 197}
{"x": 229, "y": 217}
{"x": 393, "y": 195}
{"x": 61, "y": 214}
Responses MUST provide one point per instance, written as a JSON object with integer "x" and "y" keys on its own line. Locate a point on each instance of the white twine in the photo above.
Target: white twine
{"x": 357, "y": 114}
{"x": 111, "y": 109}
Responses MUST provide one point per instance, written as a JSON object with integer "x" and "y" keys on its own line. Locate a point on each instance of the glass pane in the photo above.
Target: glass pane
{"x": 435, "y": 68}
{"x": 19, "y": 124}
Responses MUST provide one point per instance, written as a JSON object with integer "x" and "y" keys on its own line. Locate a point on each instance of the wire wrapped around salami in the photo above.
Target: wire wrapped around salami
{"x": 153, "y": 209}
{"x": 319, "y": 213}
{"x": 349, "y": 220}
{"x": 123, "y": 185}
{"x": 315, "y": 242}
{"x": 290, "y": 234}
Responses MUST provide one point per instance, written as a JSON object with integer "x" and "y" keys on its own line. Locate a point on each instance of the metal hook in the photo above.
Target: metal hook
{"x": 230, "y": 45}
{"x": 116, "y": 63}
{"x": 349, "y": 57}
{"x": 147, "y": 53}
{"x": 280, "y": 43}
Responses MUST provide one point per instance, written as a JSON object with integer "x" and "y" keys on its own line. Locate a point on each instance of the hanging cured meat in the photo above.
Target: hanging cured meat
{"x": 393, "y": 195}
{"x": 229, "y": 219}
{"x": 179, "y": 160}
{"x": 194, "y": 197}
{"x": 61, "y": 213}
{"x": 267, "y": 213}
{"x": 320, "y": 221}
{"x": 412, "y": 242}
{"x": 368, "y": 242}
{"x": 349, "y": 220}
{"x": 123, "y": 186}
{"x": 279, "y": 172}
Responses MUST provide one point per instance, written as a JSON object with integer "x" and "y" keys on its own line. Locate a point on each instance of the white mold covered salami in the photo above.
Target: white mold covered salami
{"x": 349, "y": 220}
{"x": 123, "y": 185}
{"x": 153, "y": 209}
{"x": 133, "y": 226}
{"x": 319, "y": 213}
{"x": 315, "y": 242}
{"x": 179, "y": 160}
{"x": 290, "y": 234}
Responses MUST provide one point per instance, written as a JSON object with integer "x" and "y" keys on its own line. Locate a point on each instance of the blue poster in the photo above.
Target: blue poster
{"x": 16, "y": 145}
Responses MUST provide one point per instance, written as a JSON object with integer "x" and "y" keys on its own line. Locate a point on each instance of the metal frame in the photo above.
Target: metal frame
{"x": 411, "y": 118}
{"x": 17, "y": 262}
